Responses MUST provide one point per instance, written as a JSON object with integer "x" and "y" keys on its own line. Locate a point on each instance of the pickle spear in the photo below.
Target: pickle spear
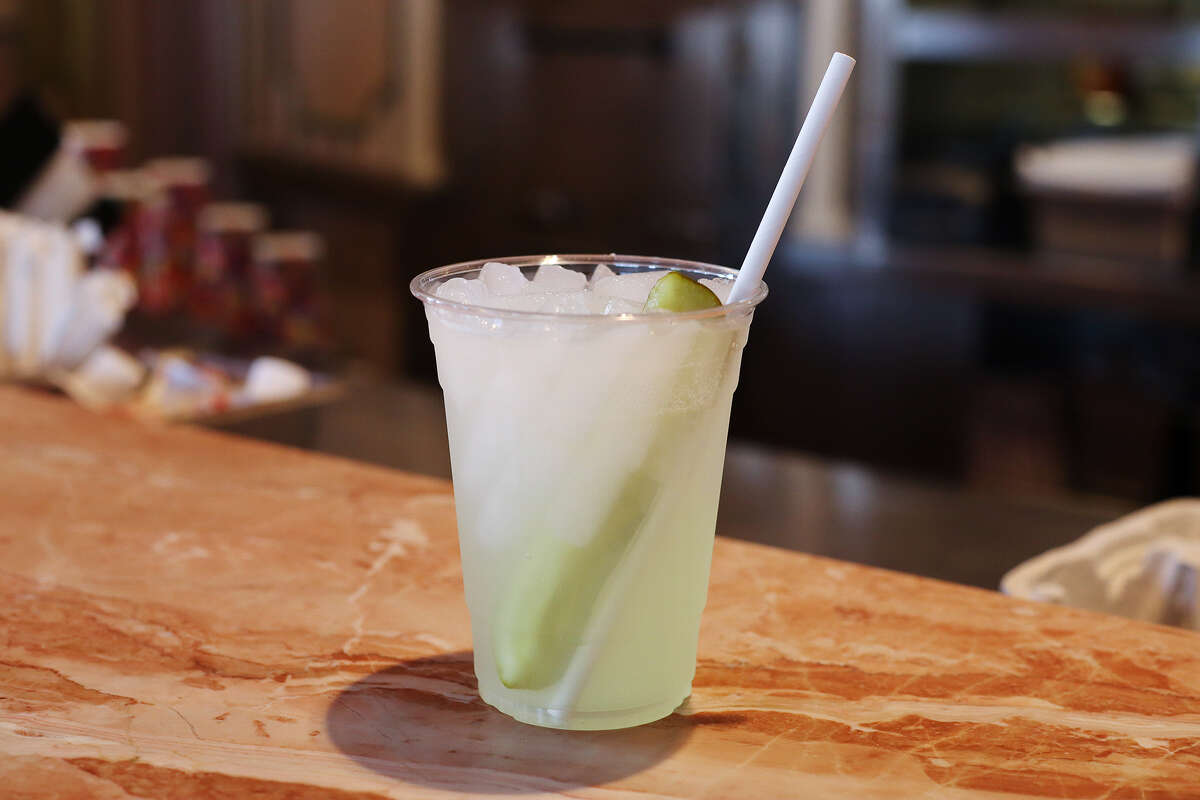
{"x": 544, "y": 607}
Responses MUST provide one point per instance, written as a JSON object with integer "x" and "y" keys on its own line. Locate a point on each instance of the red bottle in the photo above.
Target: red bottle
{"x": 220, "y": 298}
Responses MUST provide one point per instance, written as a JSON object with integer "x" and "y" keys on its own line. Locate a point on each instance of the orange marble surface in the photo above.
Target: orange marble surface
{"x": 184, "y": 614}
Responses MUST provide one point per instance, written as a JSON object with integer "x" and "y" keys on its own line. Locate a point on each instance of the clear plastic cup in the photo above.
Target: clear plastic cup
{"x": 587, "y": 453}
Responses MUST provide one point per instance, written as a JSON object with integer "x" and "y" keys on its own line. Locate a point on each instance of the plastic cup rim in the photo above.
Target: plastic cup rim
{"x": 424, "y": 286}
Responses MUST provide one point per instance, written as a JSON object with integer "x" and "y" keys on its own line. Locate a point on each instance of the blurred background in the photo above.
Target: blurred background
{"x": 992, "y": 279}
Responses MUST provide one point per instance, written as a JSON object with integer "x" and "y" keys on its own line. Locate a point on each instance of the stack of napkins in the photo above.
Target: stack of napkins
{"x": 54, "y": 315}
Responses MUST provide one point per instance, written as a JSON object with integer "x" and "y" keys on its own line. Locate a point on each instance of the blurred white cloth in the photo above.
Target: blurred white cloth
{"x": 1143, "y": 566}
{"x": 98, "y": 303}
{"x": 107, "y": 377}
{"x": 53, "y": 314}
{"x": 65, "y": 187}
{"x": 270, "y": 380}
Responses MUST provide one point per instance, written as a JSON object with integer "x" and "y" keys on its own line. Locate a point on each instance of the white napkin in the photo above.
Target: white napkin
{"x": 271, "y": 380}
{"x": 97, "y": 306}
{"x": 109, "y": 376}
{"x": 65, "y": 187}
{"x": 52, "y": 313}
{"x": 23, "y": 249}
{"x": 59, "y": 273}
{"x": 1144, "y": 566}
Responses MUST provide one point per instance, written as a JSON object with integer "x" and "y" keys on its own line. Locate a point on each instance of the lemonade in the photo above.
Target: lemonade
{"x": 587, "y": 440}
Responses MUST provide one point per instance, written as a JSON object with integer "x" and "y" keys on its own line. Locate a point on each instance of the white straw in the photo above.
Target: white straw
{"x": 794, "y": 173}
{"x": 600, "y": 626}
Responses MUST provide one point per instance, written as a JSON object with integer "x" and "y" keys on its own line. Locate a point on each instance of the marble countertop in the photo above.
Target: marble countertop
{"x": 186, "y": 614}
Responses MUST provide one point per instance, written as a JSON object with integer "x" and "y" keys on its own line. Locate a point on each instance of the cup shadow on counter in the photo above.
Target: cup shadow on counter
{"x": 422, "y": 721}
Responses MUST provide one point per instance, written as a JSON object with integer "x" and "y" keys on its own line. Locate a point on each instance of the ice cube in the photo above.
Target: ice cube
{"x": 721, "y": 287}
{"x": 555, "y": 278}
{"x": 583, "y": 302}
{"x": 463, "y": 290}
{"x": 503, "y": 280}
{"x": 455, "y": 289}
{"x": 602, "y": 271}
{"x": 527, "y": 301}
{"x": 631, "y": 286}
{"x": 619, "y": 305}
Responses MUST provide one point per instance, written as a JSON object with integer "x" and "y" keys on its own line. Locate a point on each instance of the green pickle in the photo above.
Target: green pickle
{"x": 677, "y": 292}
{"x": 546, "y": 603}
